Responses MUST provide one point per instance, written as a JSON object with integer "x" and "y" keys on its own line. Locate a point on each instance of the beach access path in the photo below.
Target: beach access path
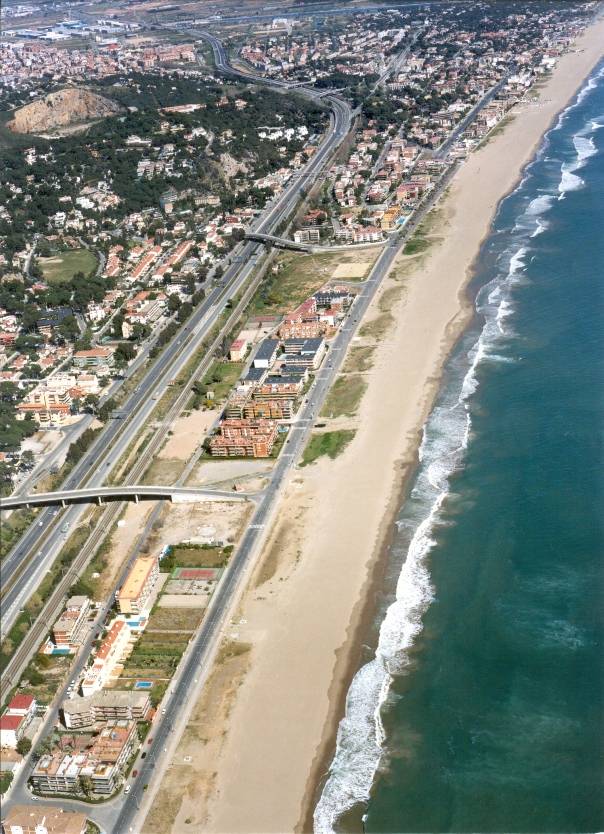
{"x": 312, "y": 588}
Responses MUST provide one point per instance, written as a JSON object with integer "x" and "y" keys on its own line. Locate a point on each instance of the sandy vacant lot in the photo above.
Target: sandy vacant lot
{"x": 214, "y": 472}
{"x": 183, "y": 522}
{"x": 188, "y": 433}
{"x": 358, "y": 270}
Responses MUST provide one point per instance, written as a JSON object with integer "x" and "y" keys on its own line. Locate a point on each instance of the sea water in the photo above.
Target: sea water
{"x": 482, "y": 707}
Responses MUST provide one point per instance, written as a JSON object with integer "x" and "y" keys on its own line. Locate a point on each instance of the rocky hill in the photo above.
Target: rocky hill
{"x": 62, "y": 108}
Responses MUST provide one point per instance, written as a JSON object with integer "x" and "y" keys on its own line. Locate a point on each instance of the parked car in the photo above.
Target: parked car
{"x": 134, "y": 774}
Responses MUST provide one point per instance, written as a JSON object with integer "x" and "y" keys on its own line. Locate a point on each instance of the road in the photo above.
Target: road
{"x": 141, "y": 404}
{"x": 92, "y": 470}
{"x": 117, "y": 435}
{"x": 129, "y": 810}
{"x": 445, "y": 148}
{"x": 101, "y": 495}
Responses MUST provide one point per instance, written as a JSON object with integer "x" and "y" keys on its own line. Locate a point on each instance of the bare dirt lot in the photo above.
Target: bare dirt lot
{"x": 353, "y": 270}
{"x": 190, "y": 777}
{"x": 214, "y": 472}
{"x": 188, "y": 434}
{"x": 182, "y": 522}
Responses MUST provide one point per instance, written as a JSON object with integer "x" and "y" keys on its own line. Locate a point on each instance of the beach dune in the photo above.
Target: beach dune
{"x": 303, "y": 611}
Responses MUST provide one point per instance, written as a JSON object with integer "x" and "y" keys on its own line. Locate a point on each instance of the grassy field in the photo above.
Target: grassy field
{"x": 197, "y": 556}
{"x": 299, "y": 277}
{"x": 416, "y": 245}
{"x": 64, "y": 265}
{"x": 330, "y": 443}
{"x": 344, "y": 397}
{"x": 359, "y": 359}
{"x": 164, "y": 471}
{"x": 185, "y": 619}
{"x": 378, "y": 327}
{"x": 229, "y": 373}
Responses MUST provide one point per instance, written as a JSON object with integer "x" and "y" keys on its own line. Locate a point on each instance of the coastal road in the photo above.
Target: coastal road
{"x": 467, "y": 120}
{"x": 129, "y": 812}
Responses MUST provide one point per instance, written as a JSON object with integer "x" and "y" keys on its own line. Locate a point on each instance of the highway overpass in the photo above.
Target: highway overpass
{"x": 102, "y": 495}
{"x": 284, "y": 243}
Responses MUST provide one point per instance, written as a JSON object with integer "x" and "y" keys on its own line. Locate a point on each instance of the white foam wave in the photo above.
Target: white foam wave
{"x": 504, "y": 312}
{"x": 540, "y": 205}
{"x": 361, "y": 735}
{"x": 542, "y": 226}
{"x": 585, "y": 147}
{"x": 569, "y": 181}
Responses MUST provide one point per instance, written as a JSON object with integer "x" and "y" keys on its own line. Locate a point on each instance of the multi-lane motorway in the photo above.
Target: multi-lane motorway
{"x": 99, "y": 461}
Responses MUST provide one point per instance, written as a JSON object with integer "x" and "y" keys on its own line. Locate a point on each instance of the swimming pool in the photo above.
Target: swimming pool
{"x": 143, "y": 685}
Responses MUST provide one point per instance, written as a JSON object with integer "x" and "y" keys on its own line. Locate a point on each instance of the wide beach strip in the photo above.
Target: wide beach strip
{"x": 303, "y": 621}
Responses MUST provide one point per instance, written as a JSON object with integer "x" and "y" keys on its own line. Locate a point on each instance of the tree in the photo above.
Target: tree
{"x": 174, "y": 302}
{"x": 125, "y": 352}
{"x": 76, "y": 405}
{"x": 92, "y": 401}
{"x": 28, "y": 458}
{"x": 69, "y": 328}
{"x": 184, "y": 311}
{"x": 23, "y": 746}
{"x": 106, "y": 409}
{"x": 86, "y": 784}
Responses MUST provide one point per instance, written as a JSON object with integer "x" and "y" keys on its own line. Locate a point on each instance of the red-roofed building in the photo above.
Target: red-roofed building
{"x": 238, "y": 350}
{"x": 22, "y": 705}
{"x": 12, "y": 728}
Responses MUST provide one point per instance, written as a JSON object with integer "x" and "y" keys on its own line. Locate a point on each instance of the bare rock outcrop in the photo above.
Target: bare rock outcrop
{"x": 62, "y": 108}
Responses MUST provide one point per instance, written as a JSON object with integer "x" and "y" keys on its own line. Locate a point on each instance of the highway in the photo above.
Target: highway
{"x": 93, "y": 469}
{"x": 118, "y": 434}
{"x": 127, "y": 812}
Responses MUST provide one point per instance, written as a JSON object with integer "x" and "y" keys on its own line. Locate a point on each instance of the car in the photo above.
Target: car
{"x": 156, "y": 395}
{"x": 134, "y": 774}
{"x": 127, "y": 789}
{"x": 163, "y": 712}
{"x": 149, "y": 741}
{"x": 40, "y": 523}
{"x": 145, "y": 787}
{"x": 55, "y": 512}
{"x": 143, "y": 755}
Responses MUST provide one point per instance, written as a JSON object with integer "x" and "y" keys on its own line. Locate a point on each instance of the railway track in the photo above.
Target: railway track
{"x": 54, "y": 604}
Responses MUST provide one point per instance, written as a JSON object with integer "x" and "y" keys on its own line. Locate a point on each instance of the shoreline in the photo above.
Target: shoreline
{"x": 292, "y": 697}
{"x": 368, "y": 595}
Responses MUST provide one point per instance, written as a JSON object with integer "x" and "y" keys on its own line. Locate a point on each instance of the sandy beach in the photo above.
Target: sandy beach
{"x": 263, "y": 732}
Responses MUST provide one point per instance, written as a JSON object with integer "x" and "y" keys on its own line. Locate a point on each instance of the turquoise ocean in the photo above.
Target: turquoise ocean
{"x": 480, "y": 707}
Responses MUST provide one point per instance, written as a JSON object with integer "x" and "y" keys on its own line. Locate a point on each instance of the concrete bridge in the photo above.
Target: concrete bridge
{"x": 284, "y": 243}
{"x": 101, "y": 495}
